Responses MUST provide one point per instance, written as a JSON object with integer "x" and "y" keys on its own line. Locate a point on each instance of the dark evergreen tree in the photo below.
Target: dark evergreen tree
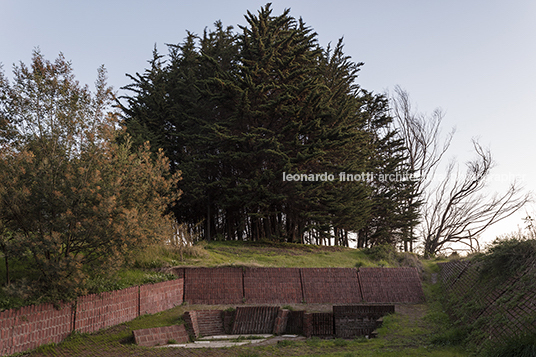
{"x": 238, "y": 113}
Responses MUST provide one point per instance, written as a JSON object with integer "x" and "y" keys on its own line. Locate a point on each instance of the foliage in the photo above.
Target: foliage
{"x": 235, "y": 112}
{"x": 519, "y": 346}
{"x": 508, "y": 256}
{"x": 73, "y": 201}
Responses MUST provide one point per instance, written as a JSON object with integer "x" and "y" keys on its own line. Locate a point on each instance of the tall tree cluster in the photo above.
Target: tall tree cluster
{"x": 242, "y": 115}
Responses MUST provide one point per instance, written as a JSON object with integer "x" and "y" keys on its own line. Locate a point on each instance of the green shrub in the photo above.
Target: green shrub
{"x": 519, "y": 346}
{"x": 507, "y": 257}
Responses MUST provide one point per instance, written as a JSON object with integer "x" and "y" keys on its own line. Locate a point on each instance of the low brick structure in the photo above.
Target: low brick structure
{"x": 255, "y": 319}
{"x": 346, "y": 321}
{"x": 160, "y": 335}
{"x": 359, "y": 320}
{"x": 204, "y": 323}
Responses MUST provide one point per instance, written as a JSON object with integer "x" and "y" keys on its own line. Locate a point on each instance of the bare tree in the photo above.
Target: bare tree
{"x": 455, "y": 209}
{"x": 425, "y": 149}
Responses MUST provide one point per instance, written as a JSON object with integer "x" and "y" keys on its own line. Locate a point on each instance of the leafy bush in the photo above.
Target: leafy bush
{"x": 507, "y": 257}
{"x": 381, "y": 252}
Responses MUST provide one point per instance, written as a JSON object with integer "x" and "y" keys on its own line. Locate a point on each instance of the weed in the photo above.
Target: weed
{"x": 248, "y": 354}
{"x": 454, "y": 336}
{"x": 172, "y": 342}
{"x": 339, "y": 342}
{"x": 314, "y": 341}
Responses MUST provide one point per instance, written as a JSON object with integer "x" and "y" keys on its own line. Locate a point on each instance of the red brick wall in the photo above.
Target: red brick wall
{"x": 213, "y": 286}
{"x": 161, "y": 296}
{"x": 160, "y": 335}
{"x": 33, "y": 326}
{"x": 330, "y": 285}
{"x": 94, "y": 312}
{"x": 390, "y": 285}
{"x": 272, "y": 286}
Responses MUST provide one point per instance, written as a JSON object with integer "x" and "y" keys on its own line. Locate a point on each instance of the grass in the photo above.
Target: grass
{"x": 285, "y": 255}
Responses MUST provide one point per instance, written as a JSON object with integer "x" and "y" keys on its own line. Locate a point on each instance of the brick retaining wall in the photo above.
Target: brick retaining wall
{"x": 272, "y": 286}
{"x": 330, "y": 285}
{"x": 212, "y": 286}
{"x": 36, "y": 325}
{"x": 33, "y": 326}
{"x": 388, "y": 285}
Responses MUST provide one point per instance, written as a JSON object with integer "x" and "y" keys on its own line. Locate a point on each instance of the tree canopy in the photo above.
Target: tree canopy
{"x": 243, "y": 114}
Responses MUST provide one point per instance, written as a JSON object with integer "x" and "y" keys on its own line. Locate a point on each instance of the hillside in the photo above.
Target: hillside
{"x": 268, "y": 254}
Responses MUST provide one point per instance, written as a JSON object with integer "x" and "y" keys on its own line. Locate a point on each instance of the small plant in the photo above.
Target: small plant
{"x": 172, "y": 342}
{"x": 314, "y": 341}
{"x": 248, "y": 354}
{"x": 339, "y": 342}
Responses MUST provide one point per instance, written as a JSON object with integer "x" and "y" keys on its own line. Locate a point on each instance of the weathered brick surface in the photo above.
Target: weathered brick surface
{"x": 160, "y": 335}
{"x": 318, "y": 324}
{"x": 210, "y": 322}
{"x": 255, "y": 319}
{"x": 213, "y": 286}
{"x": 161, "y": 296}
{"x": 295, "y": 323}
{"x": 330, "y": 285}
{"x": 94, "y": 312}
{"x": 228, "y": 317}
{"x": 272, "y": 285}
{"x": 33, "y": 326}
{"x": 390, "y": 285}
{"x": 281, "y": 320}
{"x": 358, "y": 320}
{"x": 191, "y": 324}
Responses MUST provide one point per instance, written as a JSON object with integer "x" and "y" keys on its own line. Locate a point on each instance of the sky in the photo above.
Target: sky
{"x": 474, "y": 59}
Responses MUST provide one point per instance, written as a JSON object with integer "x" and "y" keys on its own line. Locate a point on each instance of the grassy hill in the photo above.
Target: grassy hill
{"x": 266, "y": 254}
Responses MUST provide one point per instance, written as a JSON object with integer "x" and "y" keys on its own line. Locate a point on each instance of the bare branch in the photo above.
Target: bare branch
{"x": 454, "y": 210}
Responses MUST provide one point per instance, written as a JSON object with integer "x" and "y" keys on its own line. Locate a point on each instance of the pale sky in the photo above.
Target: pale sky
{"x": 474, "y": 59}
